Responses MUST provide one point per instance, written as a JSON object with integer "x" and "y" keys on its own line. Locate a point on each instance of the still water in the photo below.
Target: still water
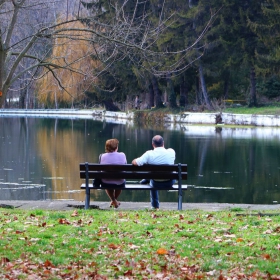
{"x": 40, "y": 157}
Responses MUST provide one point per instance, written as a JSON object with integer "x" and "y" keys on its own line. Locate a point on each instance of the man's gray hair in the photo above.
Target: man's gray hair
{"x": 157, "y": 141}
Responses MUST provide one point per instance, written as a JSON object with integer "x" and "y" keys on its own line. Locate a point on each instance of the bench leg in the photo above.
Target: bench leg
{"x": 180, "y": 199}
{"x": 87, "y": 200}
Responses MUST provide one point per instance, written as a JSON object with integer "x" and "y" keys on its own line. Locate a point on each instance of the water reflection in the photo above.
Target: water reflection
{"x": 40, "y": 157}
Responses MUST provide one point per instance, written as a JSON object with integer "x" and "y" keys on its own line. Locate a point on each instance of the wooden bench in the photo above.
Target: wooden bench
{"x": 131, "y": 172}
{"x": 236, "y": 102}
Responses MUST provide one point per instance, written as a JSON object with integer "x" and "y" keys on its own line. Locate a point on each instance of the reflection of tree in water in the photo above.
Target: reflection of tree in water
{"x": 62, "y": 146}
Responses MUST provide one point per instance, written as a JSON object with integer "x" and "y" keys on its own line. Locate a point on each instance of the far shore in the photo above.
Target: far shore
{"x": 215, "y": 118}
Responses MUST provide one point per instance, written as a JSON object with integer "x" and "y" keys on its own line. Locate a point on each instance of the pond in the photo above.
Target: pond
{"x": 40, "y": 157}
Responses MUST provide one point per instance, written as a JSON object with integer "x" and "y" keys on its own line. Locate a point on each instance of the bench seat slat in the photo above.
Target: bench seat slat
{"x": 136, "y": 187}
{"x": 131, "y": 175}
{"x": 130, "y": 167}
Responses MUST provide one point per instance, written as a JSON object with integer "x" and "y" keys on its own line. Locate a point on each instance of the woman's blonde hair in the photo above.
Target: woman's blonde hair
{"x": 111, "y": 145}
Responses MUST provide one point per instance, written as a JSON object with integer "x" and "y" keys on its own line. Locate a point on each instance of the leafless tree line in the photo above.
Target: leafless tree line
{"x": 29, "y": 30}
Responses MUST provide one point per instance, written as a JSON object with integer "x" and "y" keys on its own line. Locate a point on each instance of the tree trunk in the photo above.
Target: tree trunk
{"x": 226, "y": 89}
{"x": 151, "y": 97}
{"x": 110, "y": 106}
{"x": 157, "y": 92}
{"x": 21, "y": 101}
{"x": 171, "y": 92}
{"x": 203, "y": 88}
{"x": 198, "y": 93}
{"x": 253, "y": 90}
{"x": 2, "y": 60}
{"x": 183, "y": 101}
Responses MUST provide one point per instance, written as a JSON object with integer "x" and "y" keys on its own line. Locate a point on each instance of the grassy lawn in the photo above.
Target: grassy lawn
{"x": 265, "y": 110}
{"x": 97, "y": 244}
{"x": 268, "y": 109}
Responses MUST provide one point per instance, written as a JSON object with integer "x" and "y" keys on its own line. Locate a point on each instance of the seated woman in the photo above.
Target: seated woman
{"x": 112, "y": 156}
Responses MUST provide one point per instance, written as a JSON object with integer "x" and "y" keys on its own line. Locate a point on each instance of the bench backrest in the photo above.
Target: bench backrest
{"x": 129, "y": 171}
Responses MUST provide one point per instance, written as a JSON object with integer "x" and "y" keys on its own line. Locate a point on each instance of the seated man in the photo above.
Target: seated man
{"x": 159, "y": 155}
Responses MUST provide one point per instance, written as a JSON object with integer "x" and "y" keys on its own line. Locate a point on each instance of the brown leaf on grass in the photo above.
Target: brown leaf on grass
{"x": 75, "y": 214}
{"x": 43, "y": 224}
{"x": 230, "y": 235}
{"x": 277, "y": 229}
{"x": 113, "y": 246}
{"x": 218, "y": 239}
{"x": 239, "y": 239}
{"x": 266, "y": 256}
{"x": 19, "y": 231}
{"x": 132, "y": 246}
{"x": 162, "y": 251}
{"x": 209, "y": 216}
{"x": 4, "y": 260}
{"x": 47, "y": 273}
{"x": 47, "y": 263}
{"x": 63, "y": 221}
{"x": 128, "y": 273}
{"x": 181, "y": 217}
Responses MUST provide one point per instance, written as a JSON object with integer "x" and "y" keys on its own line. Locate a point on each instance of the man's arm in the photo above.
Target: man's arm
{"x": 141, "y": 160}
{"x": 134, "y": 162}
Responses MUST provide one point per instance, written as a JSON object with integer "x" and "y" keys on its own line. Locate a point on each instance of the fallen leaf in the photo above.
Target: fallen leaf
{"x": 218, "y": 240}
{"x": 162, "y": 251}
{"x": 277, "y": 229}
{"x": 266, "y": 256}
{"x": 4, "y": 260}
{"x": 74, "y": 214}
{"x": 132, "y": 246}
{"x": 113, "y": 246}
{"x": 63, "y": 221}
{"x": 47, "y": 263}
{"x": 230, "y": 235}
{"x": 239, "y": 239}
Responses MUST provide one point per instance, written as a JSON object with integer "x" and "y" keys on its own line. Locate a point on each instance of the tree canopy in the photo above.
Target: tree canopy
{"x": 175, "y": 53}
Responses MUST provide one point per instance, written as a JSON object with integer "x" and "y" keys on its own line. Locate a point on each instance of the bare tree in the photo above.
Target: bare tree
{"x": 24, "y": 51}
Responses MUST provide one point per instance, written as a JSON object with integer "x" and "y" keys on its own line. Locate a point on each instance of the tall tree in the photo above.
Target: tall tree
{"x": 124, "y": 33}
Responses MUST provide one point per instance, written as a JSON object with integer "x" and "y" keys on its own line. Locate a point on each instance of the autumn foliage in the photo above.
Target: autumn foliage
{"x": 71, "y": 68}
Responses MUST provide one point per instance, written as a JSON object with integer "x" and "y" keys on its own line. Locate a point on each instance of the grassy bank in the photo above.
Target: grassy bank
{"x": 264, "y": 110}
{"x": 98, "y": 244}
{"x": 157, "y": 116}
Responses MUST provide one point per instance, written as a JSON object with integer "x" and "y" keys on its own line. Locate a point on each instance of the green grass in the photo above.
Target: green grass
{"x": 138, "y": 244}
{"x": 263, "y": 110}
{"x": 268, "y": 109}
